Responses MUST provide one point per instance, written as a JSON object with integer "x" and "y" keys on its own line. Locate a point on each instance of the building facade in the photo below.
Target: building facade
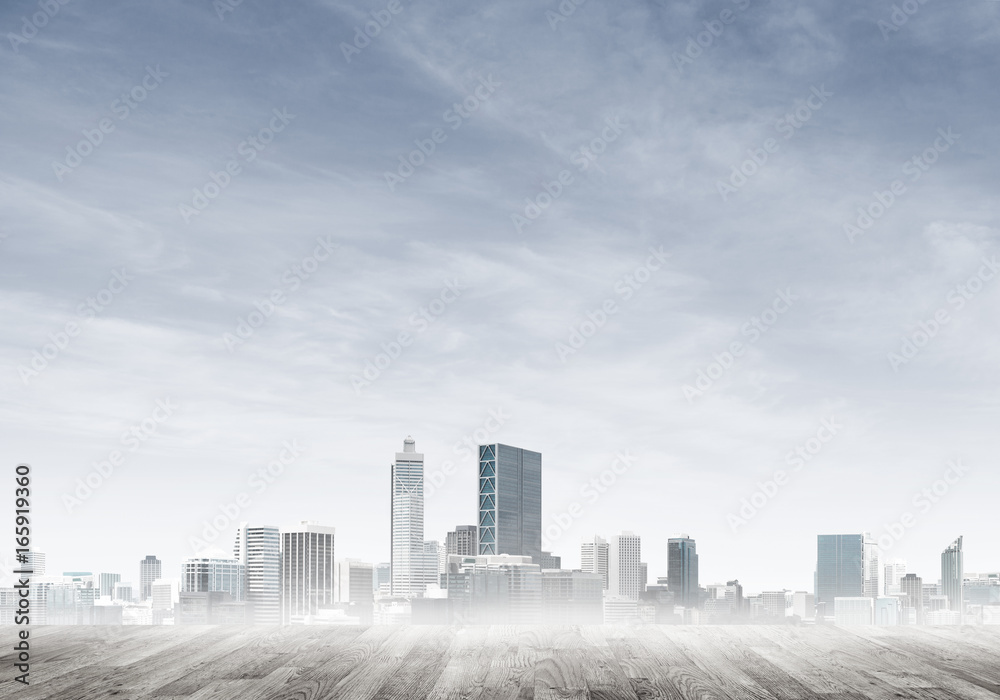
{"x": 258, "y": 549}
{"x": 846, "y": 567}
{"x": 210, "y": 574}
{"x": 307, "y": 568}
{"x": 150, "y": 569}
{"x": 510, "y": 501}
{"x": 594, "y": 557}
{"x": 624, "y": 559}
{"x": 682, "y": 570}
{"x": 953, "y": 576}
{"x": 462, "y": 541}
{"x": 407, "y": 570}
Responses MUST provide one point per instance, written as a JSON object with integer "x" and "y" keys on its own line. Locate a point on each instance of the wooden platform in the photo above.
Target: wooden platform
{"x": 309, "y": 663}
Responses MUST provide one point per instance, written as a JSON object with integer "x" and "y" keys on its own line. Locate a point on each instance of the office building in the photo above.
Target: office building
{"x": 165, "y": 594}
{"x": 895, "y": 570}
{"x": 407, "y": 570}
{"x": 572, "y": 597}
{"x": 510, "y": 501}
{"x": 912, "y": 587}
{"x": 434, "y": 563}
{"x": 494, "y": 589}
{"x": 804, "y": 605}
{"x": 846, "y": 567}
{"x": 594, "y": 557}
{"x": 952, "y": 576}
{"x": 150, "y": 569}
{"x": 353, "y": 582}
{"x": 381, "y": 578}
{"x": 123, "y": 592}
{"x": 888, "y": 611}
{"x": 548, "y": 560}
{"x": 210, "y": 574}
{"x": 853, "y": 610}
{"x": 258, "y": 549}
{"x": 776, "y": 605}
{"x": 306, "y": 571}
{"x": 106, "y": 583}
{"x": 624, "y": 558}
{"x": 210, "y": 608}
{"x": 682, "y": 570}
{"x": 462, "y": 541}
{"x": 35, "y": 562}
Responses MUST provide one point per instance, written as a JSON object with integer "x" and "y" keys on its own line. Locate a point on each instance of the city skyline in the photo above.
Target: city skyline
{"x": 848, "y": 567}
{"x": 658, "y": 569}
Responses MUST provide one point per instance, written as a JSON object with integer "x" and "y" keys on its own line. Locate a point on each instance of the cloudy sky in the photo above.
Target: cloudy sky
{"x": 218, "y": 218}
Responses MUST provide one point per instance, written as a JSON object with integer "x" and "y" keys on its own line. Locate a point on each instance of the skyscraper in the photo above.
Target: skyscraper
{"x": 846, "y": 567}
{"x": 258, "y": 549}
{"x": 895, "y": 569}
{"x": 912, "y": 586}
{"x": 952, "y": 575}
{"x": 462, "y": 541}
{"x": 407, "y": 550}
{"x": 510, "y": 501}
{"x": 306, "y": 570}
{"x": 624, "y": 554}
{"x": 149, "y": 571}
{"x": 594, "y": 557}
{"x": 682, "y": 570}
{"x": 435, "y": 562}
{"x": 106, "y": 583}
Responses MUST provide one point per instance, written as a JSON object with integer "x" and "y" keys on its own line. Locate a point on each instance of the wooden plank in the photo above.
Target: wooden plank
{"x": 514, "y": 663}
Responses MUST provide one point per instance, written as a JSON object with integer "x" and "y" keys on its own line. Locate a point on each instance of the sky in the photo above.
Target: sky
{"x": 731, "y": 267}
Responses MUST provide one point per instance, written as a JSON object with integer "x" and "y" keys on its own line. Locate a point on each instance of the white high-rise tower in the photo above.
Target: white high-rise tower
{"x": 408, "y": 576}
{"x": 624, "y": 555}
{"x": 594, "y": 557}
{"x": 259, "y": 550}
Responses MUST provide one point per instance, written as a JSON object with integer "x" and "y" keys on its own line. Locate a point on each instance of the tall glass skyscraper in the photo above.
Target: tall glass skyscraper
{"x": 682, "y": 570}
{"x": 150, "y": 569}
{"x": 847, "y": 566}
{"x": 407, "y": 569}
{"x": 952, "y": 574}
{"x": 510, "y": 501}
{"x": 259, "y": 550}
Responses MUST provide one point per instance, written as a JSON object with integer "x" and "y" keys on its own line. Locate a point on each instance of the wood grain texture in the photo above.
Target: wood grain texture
{"x": 515, "y": 663}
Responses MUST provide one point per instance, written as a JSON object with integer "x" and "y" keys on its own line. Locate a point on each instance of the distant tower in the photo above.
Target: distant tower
{"x": 846, "y": 567}
{"x": 150, "y": 569}
{"x": 35, "y": 562}
{"x": 594, "y": 557}
{"x": 407, "y": 551}
{"x": 624, "y": 554}
{"x": 682, "y": 570}
{"x": 895, "y": 569}
{"x": 510, "y": 501}
{"x": 306, "y": 571}
{"x": 462, "y": 541}
{"x": 259, "y": 550}
{"x": 106, "y": 583}
{"x": 952, "y": 574}
{"x": 912, "y": 586}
